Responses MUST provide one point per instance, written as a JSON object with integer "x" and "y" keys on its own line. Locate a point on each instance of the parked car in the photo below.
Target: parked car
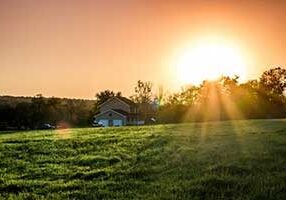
{"x": 97, "y": 124}
{"x": 46, "y": 126}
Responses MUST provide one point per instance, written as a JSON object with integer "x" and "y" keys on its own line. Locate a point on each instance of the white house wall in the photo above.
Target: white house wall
{"x": 111, "y": 115}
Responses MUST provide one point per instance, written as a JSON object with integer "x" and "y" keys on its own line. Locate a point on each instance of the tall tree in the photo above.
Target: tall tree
{"x": 274, "y": 81}
{"x": 143, "y": 97}
{"x": 104, "y": 95}
{"x": 143, "y": 92}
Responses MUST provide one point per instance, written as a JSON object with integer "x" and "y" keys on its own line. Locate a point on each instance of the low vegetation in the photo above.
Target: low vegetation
{"x": 214, "y": 160}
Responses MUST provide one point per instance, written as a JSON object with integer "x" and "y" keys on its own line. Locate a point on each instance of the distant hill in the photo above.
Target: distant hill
{"x": 14, "y": 100}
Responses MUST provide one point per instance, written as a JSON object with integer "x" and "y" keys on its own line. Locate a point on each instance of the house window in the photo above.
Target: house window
{"x": 110, "y": 114}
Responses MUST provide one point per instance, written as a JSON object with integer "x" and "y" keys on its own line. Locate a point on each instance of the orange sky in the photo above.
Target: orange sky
{"x": 72, "y": 48}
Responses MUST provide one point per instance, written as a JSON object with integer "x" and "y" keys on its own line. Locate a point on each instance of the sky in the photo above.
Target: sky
{"x": 75, "y": 48}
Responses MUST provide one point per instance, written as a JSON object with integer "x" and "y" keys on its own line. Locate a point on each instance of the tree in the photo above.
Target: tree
{"x": 189, "y": 95}
{"x": 229, "y": 84}
{"x": 7, "y": 116}
{"x": 54, "y": 110}
{"x": 23, "y": 115}
{"x": 104, "y": 95}
{"x": 143, "y": 92}
{"x": 142, "y": 96}
{"x": 38, "y": 108}
{"x": 174, "y": 99}
{"x": 273, "y": 81}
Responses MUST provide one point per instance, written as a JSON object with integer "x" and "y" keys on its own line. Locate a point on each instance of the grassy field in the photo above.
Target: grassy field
{"x": 216, "y": 160}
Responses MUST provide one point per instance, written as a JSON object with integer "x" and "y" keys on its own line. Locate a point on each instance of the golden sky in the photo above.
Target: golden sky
{"x": 72, "y": 48}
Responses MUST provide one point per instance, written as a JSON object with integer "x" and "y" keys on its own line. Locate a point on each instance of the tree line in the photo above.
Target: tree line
{"x": 33, "y": 112}
{"x": 221, "y": 99}
{"x": 226, "y": 98}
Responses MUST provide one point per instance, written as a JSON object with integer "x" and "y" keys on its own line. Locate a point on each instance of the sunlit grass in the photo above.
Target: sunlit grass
{"x": 210, "y": 160}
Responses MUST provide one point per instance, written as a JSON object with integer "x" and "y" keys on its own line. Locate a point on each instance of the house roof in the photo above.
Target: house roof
{"x": 126, "y": 100}
{"x": 123, "y": 99}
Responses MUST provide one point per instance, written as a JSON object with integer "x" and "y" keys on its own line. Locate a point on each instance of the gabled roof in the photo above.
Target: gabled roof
{"x": 126, "y": 100}
{"x": 122, "y": 99}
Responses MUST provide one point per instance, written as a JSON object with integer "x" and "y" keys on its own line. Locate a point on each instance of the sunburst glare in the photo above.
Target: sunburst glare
{"x": 208, "y": 61}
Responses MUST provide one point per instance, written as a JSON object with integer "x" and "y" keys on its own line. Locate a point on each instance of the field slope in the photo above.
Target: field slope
{"x": 215, "y": 160}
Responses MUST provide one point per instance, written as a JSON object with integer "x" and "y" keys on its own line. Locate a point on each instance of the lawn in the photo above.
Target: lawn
{"x": 214, "y": 160}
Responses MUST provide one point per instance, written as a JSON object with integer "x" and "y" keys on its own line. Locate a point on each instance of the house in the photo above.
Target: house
{"x": 118, "y": 111}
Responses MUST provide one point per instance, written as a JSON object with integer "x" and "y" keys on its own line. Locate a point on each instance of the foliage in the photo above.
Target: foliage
{"x": 274, "y": 80}
{"x": 143, "y": 92}
{"x": 214, "y": 160}
{"x": 143, "y": 98}
{"x": 102, "y": 96}
{"x": 31, "y": 113}
{"x": 226, "y": 98}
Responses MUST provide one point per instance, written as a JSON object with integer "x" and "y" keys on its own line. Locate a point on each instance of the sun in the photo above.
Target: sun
{"x": 208, "y": 61}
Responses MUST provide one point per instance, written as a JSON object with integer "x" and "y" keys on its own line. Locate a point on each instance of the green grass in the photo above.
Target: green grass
{"x": 216, "y": 160}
